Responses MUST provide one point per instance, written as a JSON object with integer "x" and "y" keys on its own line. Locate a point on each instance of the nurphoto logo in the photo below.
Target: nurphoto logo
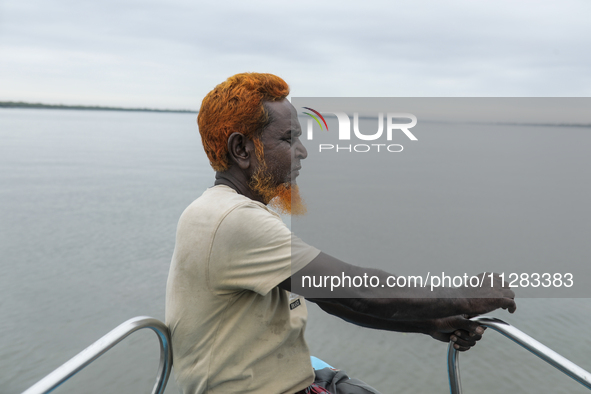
{"x": 344, "y": 134}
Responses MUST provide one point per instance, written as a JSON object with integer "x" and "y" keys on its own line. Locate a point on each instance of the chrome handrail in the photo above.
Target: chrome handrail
{"x": 519, "y": 337}
{"x": 98, "y": 348}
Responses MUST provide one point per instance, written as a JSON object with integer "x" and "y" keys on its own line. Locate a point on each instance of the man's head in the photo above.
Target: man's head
{"x": 250, "y": 133}
{"x": 237, "y": 106}
{"x": 279, "y": 152}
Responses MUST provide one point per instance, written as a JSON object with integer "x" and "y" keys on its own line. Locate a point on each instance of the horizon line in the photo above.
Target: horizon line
{"x": 24, "y": 104}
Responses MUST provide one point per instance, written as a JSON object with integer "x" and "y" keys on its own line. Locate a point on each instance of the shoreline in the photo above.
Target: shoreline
{"x": 21, "y": 104}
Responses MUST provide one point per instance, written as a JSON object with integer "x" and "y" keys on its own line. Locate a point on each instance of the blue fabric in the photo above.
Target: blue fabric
{"x": 318, "y": 363}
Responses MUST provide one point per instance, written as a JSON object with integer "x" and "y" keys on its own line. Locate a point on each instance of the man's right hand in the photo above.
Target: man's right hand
{"x": 463, "y": 332}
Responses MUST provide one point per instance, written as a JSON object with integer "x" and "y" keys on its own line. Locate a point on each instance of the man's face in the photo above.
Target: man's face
{"x": 275, "y": 177}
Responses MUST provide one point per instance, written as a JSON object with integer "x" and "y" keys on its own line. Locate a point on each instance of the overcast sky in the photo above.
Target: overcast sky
{"x": 170, "y": 53}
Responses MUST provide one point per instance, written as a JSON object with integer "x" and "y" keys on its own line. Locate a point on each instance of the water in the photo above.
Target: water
{"x": 89, "y": 204}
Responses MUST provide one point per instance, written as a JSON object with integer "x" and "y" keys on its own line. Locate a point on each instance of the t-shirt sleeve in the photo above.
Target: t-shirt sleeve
{"x": 253, "y": 249}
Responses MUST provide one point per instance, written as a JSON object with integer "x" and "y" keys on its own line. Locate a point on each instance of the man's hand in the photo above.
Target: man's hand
{"x": 458, "y": 329}
{"x": 490, "y": 296}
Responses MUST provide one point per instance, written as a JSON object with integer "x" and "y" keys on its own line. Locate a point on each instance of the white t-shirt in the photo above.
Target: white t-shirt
{"x": 233, "y": 330}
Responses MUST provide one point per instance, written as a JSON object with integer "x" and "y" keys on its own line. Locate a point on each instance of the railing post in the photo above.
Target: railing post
{"x": 545, "y": 353}
{"x": 101, "y": 346}
{"x": 453, "y": 370}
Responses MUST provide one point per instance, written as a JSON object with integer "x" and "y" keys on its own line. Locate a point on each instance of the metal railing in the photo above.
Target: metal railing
{"x": 519, "y": 337}
{"x": 94, "y": 351}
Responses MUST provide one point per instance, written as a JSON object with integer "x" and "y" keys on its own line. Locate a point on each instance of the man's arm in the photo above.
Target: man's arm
{"x": 463, "y": 332}
{"x": 402, "y": 303}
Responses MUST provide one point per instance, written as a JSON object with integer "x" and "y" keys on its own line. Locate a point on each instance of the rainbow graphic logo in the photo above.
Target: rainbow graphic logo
{"x": 315, "y": 118}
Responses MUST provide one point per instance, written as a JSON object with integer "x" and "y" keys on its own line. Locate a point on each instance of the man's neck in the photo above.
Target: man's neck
{"x": 239, "y": 184}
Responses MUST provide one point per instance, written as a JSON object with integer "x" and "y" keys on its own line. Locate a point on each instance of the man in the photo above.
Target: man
{"x": 235, "y": 326}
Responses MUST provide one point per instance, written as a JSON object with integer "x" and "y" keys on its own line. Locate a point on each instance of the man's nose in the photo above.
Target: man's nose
{"x": 301, "y": 152}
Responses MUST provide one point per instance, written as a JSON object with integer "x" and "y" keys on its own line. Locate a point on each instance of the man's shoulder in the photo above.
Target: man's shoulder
{"x": 219, "y": 199}
{"x": 220, "y": 202}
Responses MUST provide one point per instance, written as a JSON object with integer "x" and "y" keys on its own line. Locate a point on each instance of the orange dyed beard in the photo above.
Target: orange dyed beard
{"x": 288, "y": 200}
{"x": 284, "y": 198}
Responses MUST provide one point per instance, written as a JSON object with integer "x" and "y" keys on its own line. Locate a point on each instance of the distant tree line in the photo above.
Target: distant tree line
{"x": 21, "y": 104}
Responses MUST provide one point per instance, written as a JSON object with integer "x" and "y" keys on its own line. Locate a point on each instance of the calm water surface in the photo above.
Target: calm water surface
{"x": 89, "y": 204}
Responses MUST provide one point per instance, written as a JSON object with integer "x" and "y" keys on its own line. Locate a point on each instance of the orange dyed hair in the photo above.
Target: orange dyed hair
{"x": 236, "y": 105}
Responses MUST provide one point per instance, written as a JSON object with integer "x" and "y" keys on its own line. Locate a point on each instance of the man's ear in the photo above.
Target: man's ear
{"x": 240, "y": 150}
